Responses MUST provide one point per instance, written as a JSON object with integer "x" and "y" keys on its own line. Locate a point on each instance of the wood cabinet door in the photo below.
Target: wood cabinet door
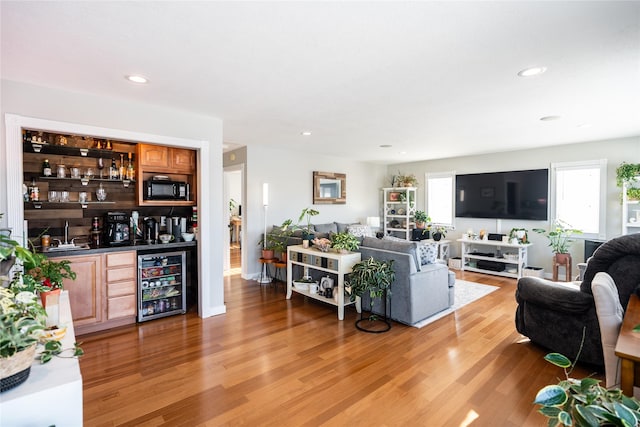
{"x": 86, "y": 292}
{"x": 183, "y": 160}
{"x": 153, "y": 156}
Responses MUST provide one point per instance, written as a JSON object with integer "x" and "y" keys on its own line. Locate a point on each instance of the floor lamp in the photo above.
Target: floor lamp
{"x": 265, "y": 278}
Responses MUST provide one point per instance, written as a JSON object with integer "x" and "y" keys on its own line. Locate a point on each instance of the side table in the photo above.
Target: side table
{"x": 627, "y": 348}
{"x": 567, "y": 268}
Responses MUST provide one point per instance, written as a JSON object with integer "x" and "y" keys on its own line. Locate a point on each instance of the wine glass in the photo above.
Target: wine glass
{"x": 101, "y": 193}
{"x": 100, "y": 166}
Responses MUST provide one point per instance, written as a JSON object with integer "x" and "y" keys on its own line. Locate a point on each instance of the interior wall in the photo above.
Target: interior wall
{"x": 614, "y": 151}
{"x": 290, "y": 178}
{"x": 103, "y": 112}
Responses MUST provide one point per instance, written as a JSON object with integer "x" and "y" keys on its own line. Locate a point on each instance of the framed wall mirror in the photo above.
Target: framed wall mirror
{"x": 329, "y": 188}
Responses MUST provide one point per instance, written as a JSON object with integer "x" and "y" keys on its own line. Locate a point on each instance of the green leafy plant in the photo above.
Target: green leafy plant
{"x": 421, "y": 217}
{"x": 626, "y": 173}
{"x": 345, "y": 241}
{"x": 584, "y": 402}
{"x": 560, "y": 236}
{"x": 372, "y": 277}
{"x": 520, "y": 234}
{"x": 22, "y": 320}
{"x": 633, "y": 193}
{"x": 408, "y": 180}
{"x": 54, "y": 348}
{"x": 308, "y": 213}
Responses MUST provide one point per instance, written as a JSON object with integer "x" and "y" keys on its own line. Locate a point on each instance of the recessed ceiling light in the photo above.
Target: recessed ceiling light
{"x": 137, "y": 79}
{"x": 532, "y": 71}
{"x": 549, "y": 118}
{"x": 402, "y": 152}
{"x": 584, "y": 125}
{"x": 306, "y": 133}
{"x": 386, "y": 146}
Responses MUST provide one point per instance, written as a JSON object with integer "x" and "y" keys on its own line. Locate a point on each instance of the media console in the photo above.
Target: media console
{"x": 476, "y": 255}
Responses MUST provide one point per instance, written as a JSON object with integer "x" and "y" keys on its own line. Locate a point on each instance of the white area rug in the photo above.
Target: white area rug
{"x": 465, "y": 293}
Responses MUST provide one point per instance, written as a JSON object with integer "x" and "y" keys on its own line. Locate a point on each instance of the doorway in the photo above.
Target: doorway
{"x": 233, "y": 199}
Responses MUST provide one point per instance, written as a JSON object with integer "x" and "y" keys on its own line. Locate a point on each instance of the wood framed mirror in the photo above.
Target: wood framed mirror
{"x": 329, "y": 188}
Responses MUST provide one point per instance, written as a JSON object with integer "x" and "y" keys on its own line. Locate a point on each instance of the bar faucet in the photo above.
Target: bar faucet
{"x": 66, "y": 232}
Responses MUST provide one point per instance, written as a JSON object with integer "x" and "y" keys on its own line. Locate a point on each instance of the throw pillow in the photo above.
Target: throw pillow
{"x": 360, "y": 230}
{"x": 428, "y": 253}
{"x": 393, "y": 238}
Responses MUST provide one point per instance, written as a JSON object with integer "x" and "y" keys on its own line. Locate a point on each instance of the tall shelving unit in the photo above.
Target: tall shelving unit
{"x": 399, "y": 210}
{"x": 630, "y": 210}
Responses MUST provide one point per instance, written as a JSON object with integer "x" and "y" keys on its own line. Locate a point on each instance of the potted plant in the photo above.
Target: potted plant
{"x": 584, "y": 402}
{"x": 44, "y": 275}
{"x": 308, "y": 213}
{"x": 626, "y": 173}
{"x": 439, "y": 232}
{"x": 560, "y": 239}
{"x": 345, "y": 242}
{"x": 520, "y": 234}
{"x": 279, "y": 238}
{"x": 421, "y": 219}
{"x": 373, "y": 278}
{"x": 402, "y": 180}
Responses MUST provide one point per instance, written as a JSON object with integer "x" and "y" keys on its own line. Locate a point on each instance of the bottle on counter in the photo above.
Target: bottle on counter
{"x": 46, "y": 168}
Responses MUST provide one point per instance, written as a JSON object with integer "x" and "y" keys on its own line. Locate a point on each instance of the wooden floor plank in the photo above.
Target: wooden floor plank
{"x": 272, "y": 361}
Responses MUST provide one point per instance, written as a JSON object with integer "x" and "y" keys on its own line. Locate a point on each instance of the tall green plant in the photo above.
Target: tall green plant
{"x": 308, "y": 213}
{"x": 372, "y": 276}
{"x": 560, "y": 236}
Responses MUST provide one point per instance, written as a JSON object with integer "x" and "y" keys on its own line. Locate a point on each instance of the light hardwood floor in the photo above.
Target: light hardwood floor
{"x": 277, "y": 362}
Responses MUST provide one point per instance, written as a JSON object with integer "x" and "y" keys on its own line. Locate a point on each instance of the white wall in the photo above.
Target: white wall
{"x": 290, "y": 178}
{"x": 124, "y": 116}
{"x": 614, "y": 151}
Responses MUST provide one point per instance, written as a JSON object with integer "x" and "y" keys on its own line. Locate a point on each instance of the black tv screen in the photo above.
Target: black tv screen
{"x": 504, "y": 195}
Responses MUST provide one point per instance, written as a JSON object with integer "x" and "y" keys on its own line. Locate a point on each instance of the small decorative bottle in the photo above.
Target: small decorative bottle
{"x": 46, "y": 168}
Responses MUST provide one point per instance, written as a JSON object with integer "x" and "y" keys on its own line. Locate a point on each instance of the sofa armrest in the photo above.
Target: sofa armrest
{"x": 556, "y": 296}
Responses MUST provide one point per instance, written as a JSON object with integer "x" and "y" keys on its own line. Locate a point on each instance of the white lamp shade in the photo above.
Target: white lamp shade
{"x": 265, "y": 194}
{"x": 373, "y": 221}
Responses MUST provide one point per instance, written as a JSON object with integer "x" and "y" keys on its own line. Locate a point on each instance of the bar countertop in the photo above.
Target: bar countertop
{"x": 120, "y": 248}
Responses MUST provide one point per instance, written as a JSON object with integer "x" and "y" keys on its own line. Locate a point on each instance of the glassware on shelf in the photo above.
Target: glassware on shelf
{"x": 54, "y": 197}
{"x": 101, "y": 193}
{"x": 64, "y": 196}
{"x": 100, "y": 166}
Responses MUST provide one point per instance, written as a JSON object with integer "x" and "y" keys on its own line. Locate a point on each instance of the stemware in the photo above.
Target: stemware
{"x": 101, "y": 193}
{"x": 100, "y": 166}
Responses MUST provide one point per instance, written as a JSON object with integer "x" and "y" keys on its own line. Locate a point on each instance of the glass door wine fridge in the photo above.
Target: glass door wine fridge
{"x": 161, "y": 285}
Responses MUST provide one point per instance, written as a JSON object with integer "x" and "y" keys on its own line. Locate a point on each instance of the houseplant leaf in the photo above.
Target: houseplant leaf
{"x": 551, "y": 395}
{"x": 558, "y": 360}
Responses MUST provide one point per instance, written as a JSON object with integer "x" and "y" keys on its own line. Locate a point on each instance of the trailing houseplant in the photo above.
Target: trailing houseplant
{"x": 345, "y": 241}
{"x": 560, "y": 236}
{"x": 372, "y": 277}
{"x": 584, "y": 402}
{"x": 626, "y": 173}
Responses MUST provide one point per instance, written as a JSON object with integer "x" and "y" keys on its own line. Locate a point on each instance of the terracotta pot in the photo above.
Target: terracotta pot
{"x": 267, "y": 253}
{"x": 45, "y": 295}
{"x": 420, "y": 225}
{"x": 562, "y": 258}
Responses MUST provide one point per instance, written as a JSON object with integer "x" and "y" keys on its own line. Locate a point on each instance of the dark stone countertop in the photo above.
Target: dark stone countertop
{"x": 139, "y": 247}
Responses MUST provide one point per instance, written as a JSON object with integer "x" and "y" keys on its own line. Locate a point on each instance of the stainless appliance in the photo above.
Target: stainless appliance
{"x": 150, "y": 230}
{"x": 165, "y": 190}
{"x": 161, "y": 285}
{"x": 117, "y": 228}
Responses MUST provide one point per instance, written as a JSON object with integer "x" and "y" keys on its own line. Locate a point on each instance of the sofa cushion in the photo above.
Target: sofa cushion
{"x": 342, "y": 227}
{"x": 360, "y": 230}
{"x": 403, "y": 246}
{"x": 428, "y": 253}
{"x": 326, "y": 228}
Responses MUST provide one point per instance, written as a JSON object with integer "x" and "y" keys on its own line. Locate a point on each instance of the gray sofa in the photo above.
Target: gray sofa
{"x": 419, "y": 290}
{"x": 422, "y": 287}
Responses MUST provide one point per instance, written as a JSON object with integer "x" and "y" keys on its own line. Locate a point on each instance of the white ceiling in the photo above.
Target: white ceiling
{"x": 432, "y": 79}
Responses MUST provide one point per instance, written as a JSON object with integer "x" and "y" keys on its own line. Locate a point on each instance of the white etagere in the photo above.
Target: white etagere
{"x": 630, "y": 211}
{"x": 399, "y": 208}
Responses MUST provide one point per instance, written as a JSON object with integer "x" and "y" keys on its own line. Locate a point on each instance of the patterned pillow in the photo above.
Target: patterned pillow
{"x": 360, "y": 230}
{"x": 393, "y": 238}
{"x": 428, "y": 253}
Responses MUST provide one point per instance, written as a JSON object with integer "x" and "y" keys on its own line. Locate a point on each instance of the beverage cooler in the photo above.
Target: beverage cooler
{"x": 161, "y": 285}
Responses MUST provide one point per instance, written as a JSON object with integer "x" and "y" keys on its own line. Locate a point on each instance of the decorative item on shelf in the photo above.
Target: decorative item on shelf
{"x": 345, "y": 242}
{"x": 394, "y": 197}
{"x": 402, "y": 180}
{"x": 374, "y": 278}
{"x": 101, "y": 193}
{"x": 322, "y": 244}
{"x": 438, "y": 232}
{"x": 519, "y": 234}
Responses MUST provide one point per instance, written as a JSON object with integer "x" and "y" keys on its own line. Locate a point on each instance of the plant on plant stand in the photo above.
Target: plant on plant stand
{"x": 560, "y": 239}
{"x": 374, "y": 278}
{"x": 344, "y": 242}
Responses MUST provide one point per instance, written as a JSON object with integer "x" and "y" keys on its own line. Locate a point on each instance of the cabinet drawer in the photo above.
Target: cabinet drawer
{"x": 121, "y": 307}
{"x": 121, "y": 288}
{"x": 118, "y": 259}
{"x": 118, "y": 274}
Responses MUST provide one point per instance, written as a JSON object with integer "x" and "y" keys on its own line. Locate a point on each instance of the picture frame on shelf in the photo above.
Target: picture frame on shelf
{"x": 394, "y": 197}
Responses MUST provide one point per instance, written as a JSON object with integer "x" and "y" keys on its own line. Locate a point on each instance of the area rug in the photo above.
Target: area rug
{"x": 465, "y": 293}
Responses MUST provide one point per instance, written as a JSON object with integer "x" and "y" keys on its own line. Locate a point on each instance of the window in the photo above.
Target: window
{"x": 439, "y": 197}
{"x": 578, "y": 192}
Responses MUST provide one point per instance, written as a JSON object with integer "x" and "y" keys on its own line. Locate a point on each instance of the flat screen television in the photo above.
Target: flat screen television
{"x": 503, "y": 195}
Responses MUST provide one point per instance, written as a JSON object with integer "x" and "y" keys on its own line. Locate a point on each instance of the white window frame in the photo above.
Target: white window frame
{"x": 585, "y": 164}
{"x": 437, "y": 175}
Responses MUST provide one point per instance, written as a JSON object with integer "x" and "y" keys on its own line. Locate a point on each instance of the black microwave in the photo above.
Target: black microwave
{"x": 166, "y": 190}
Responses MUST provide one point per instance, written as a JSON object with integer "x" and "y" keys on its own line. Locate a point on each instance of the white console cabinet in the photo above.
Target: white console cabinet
{"x": 494, "y": 251}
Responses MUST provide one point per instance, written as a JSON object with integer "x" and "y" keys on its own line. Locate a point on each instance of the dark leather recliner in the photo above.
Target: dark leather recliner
{"x": 554, "y": 314}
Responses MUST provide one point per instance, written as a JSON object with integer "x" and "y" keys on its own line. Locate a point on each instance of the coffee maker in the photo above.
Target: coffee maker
{"x": 117, "y": 228}
{"x": 150, "y": 231}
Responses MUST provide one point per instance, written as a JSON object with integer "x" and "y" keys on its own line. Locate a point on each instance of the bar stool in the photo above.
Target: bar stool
{"x": 265, "y": 274}
{"x": 566, "y": 263}
{"x": 278, "y": 277}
